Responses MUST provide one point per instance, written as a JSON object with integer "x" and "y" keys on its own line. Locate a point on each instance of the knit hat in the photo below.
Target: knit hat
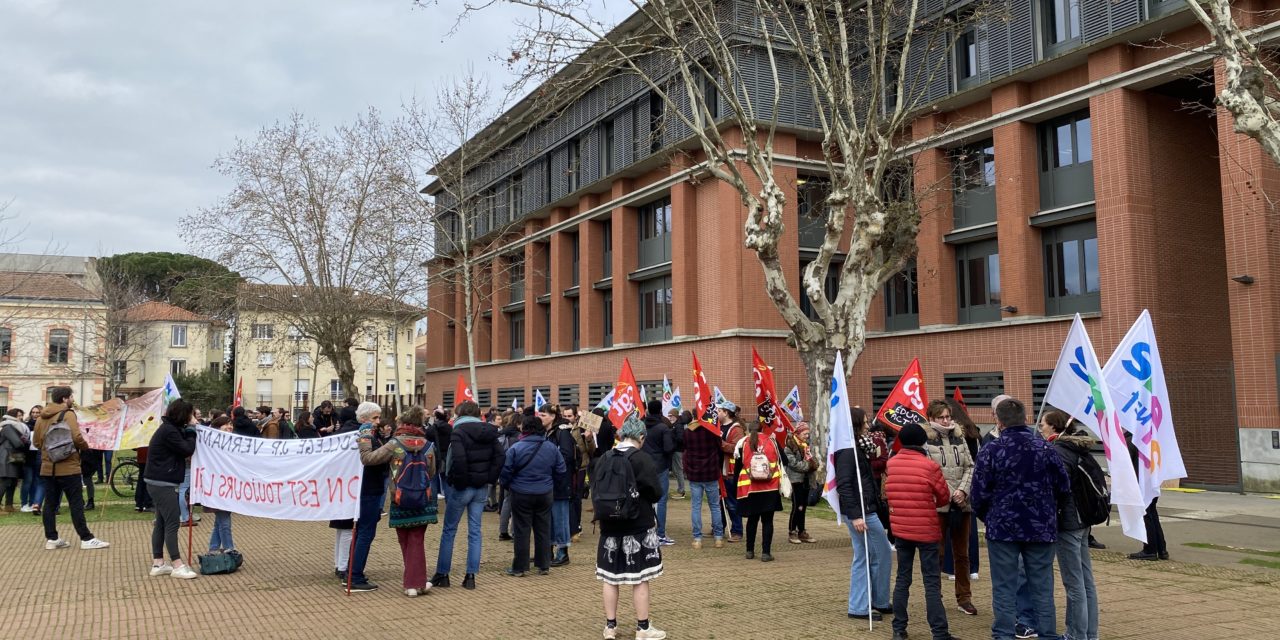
{"x": 912, "y": 435}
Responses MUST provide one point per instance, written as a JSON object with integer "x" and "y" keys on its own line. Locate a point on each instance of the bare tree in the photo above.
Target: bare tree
{"x": 1250, "y": 85}
{"x": 470, "y": 218}
{"x": 857, "y": 73}
{"x": 327, "y": 220}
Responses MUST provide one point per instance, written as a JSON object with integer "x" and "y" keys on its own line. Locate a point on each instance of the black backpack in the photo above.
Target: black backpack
{"x": 614, "y": 494}
{"x": 1093, "y": 498}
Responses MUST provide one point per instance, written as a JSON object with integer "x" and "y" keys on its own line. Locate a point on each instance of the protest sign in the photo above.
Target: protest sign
{"x": 101, "y": 424}
{"x": 305, "y": 479}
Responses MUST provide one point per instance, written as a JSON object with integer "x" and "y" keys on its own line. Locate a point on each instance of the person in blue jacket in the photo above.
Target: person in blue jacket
{"x": 529, "y": 474}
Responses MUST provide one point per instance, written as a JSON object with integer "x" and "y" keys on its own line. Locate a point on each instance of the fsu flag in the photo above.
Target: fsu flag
{"x": 906, "y": 404}
{"x": 703, "y": 406}
{"x": 626, "y": 396}
{"x": 462, "y": 392}
{"x": 767, "y": 400}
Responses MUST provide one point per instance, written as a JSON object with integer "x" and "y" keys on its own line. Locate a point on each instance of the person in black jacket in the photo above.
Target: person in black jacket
{"x": 243, "y": 425}
{"x": 173, "y": 442}
{"x": 438, "y": 432}
{"x": 323, "y": 418}
{"x": 630, "y": 551}
{"x": 679, "y": 422}
{"x": 560, "y": 433}
{"x": 859, "y": 503}
{"x": 472, "y": 462}
{"x": 660, "y": 444}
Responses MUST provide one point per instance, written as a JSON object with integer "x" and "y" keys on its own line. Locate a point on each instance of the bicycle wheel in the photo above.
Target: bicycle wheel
{"x": 125, "y": 478}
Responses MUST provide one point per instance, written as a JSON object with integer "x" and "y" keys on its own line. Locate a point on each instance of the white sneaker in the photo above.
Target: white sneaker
{"x": 412, "y": 593}
{"x": 94, "y": 544}
{"x": 26, "y": 508}
{"x": 652, "y": 633}
{"x": 50, "y": 545}
{"x": 950, "y": 576}
{"x": 184, "y": 573}
{"x": 162, "y": 570}
{"x": 610, "y": 633}
{"x": 973, "y": 576}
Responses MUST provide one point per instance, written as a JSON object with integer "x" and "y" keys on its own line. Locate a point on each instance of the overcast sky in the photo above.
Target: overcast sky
{"x": 111, "y": 113}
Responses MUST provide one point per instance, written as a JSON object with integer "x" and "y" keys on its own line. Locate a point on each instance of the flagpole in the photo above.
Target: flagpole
{"x": 862, "y": 504}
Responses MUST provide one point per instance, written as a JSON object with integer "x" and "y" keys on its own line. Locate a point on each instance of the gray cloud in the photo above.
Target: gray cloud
{"x": 112, "y": 112}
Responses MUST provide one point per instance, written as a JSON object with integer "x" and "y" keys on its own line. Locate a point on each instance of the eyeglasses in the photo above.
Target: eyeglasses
{"x": 945, "y": 417}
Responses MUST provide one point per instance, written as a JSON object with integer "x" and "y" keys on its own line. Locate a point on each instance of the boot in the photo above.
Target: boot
{"x": 561, "y": 558}
{"x": 440, "y": 581}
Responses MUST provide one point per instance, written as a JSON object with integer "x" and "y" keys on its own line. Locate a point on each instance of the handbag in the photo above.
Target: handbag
{"x": 218, "y": 563}
{"x": 786, "y": 486}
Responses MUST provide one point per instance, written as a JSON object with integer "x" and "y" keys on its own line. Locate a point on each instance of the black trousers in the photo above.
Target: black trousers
{"x": 1155, "y": 533}
{"x": 54, "y": 487}
{"x": 765, "y": 521}
{"x": 531, "y": 511}
{"x": 575, "y": 507}
{"x": 141, "y": 494}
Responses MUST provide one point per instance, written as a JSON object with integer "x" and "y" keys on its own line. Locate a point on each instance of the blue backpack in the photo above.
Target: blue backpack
{"x": 413, "y": 482}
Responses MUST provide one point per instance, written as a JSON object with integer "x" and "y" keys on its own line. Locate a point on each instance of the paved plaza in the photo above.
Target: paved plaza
{"x": 287, "y": 590}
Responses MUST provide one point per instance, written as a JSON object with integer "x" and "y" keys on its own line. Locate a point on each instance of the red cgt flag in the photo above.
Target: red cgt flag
{"x": 767, "y": 400}
{"x": 626, "y": 396}
{"x": 703, "y": 406}
{"x": 906, "y": 405}
{"x": 462, "y": 392}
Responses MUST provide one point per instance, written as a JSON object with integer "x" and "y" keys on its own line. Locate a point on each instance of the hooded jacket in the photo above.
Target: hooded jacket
{"x": 1071, "y": 447}
{"x": 168, "y": 451}
{"x": 474, "y": 458}
{"x": 14, "y": 435}
{"x": 70, "y": 466}
{"x": 659, "y": 442}
{"x": 390, "y": 456}
{"x": 915, "y": 489}
{"x": 950, "y": 450}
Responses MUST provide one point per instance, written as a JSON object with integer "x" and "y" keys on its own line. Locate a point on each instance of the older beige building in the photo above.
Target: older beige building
{"x": 153, "y": 339}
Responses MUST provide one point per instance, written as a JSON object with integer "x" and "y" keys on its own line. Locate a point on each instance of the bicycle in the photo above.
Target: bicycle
{"x": 125, "y": 476}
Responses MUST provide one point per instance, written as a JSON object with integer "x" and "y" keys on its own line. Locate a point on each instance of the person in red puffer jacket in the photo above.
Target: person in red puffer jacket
{"x": 915, "y": 488}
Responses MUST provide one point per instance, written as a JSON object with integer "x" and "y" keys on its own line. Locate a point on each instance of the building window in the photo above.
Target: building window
{"x": 178, "y": 333}
{"x": 408, "y": 362}
{"x": 902, "y": 301}
{"x": 811, "y": 203}
{"x": 1066, "y": 161}
{"x": 390, "y": 388}
{"x": 119, "y": 336}
{"x": 978, "y": 282}
{"x": 515, "y": 269}
{"x": 390, "y": 360}
{"x": 975, "y": 182}
{"x": 655, "y": 232}
{"x": 515, "y": 196}
{"x": 304, "y": 360}
{"x": 655, "y": 310}
{"x": 177, "y": 367}
{"x": 575, "y": 164}
{"x": 391, "y": 335}
{"x": 1071, "y": 269}
{"x": 215, "y": 338}
{"x": 1062, "y": 24}
{"x": 577, "y": 327}
{"x": 119, "y": 371}
{"x": 59, "y": 346}
{"x": 966, "y": 57}
{"x": 301, "y": 393}
{"x": 266, "y": 359}
{"x": 978, "y": 389}
{"x": 335, "y": 390}
{"x": 6, "y": 344}
{"x": 607, "y": 228}
{"x": 215, "y": 367}
{"x": 370, "y": 362}
{"x": 710, "y": 96}
{"x": 830, "y": 287}
{"x": 517, "y": 335}
{"x": 573, "y": 247}
{"x": 264, "y": 392}
{"x": 608, "y": 318}
{"x": 263, "y": 332}
{"x": 606, "y": 149}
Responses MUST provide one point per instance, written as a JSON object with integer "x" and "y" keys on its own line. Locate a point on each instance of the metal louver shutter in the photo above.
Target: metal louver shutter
{"x": 1101, "y": 18}
{"x": 559, "y": 173}
{"x": 590, "y": 160}
{"x": 624, "y": 135}
{"x": 1022, "y": 43}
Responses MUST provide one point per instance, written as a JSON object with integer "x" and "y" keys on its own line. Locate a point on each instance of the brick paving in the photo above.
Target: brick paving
{"x": 287, "y": 590}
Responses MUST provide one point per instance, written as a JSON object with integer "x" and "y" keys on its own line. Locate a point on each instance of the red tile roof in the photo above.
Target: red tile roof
{"x": 43, "y": 286}
{"x": 160, "y": 312}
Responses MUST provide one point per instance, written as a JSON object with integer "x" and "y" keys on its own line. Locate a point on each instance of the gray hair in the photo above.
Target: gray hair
{"x": 366, "y": 410}
{"x": 995, "y": 402}
{"x": 633, "y": 428}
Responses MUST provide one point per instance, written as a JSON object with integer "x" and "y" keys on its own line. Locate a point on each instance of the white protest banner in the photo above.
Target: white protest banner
{"x": 305, "y": 479}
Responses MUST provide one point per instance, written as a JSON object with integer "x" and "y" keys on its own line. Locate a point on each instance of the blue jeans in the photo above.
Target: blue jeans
{"x": 560, "y": 523}
{"x": 366, "y": 529}
{"x": 1077, "y": 579}
{"x": 877, "y": 546}
{"x": 731, "y": 505}
{"x": 32, "y": 492}
{"x": 471, "y": 500}
{"x": 711, "y": 490}
{"x": 664, "y": 481}
{"x": 221, "y": 537}
{"x": 184, "y": 514}
{"x": 439, "y": 486}
{"x": 1026, "y": 615}
{"x": 1037, "y": 558}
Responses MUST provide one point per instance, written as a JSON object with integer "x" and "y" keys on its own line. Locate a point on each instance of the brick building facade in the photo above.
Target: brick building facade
{"x": 1093, "y": 177}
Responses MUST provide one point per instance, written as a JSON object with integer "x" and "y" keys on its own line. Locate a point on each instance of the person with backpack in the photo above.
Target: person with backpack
{"x": 411, "y": 461}
{"x": 624, "y": 492}
{"x": 57, "y": 435}
{"x": 1019, "y": 483}
{"x": 14, "y": 439}
{"x": 1089, "y": 505}
{"x": 170, "y": 446}
{"x": 560, "y": 433}
{"x": 759, "y": 461}
{"x": 373, "y": 487}
{"x": 530, "y": 473}
{"x": 915, "y": 488}
{"x": 660, "y": 444}
{"x": 472, "y": 463}
{"x": 945, "y": 445}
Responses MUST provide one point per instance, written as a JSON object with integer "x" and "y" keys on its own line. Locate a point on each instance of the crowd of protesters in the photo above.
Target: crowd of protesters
{"x": 910, "y": 495}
